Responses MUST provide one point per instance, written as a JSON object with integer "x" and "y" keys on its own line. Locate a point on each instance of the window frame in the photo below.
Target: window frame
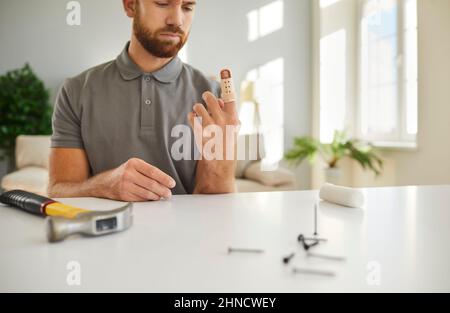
{"x": 402, "y": 139}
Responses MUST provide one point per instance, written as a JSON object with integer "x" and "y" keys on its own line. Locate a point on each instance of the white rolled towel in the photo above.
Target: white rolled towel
{"x": 345, "y": 196}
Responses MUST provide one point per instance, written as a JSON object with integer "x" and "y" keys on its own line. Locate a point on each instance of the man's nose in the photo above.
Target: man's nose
{"x": 176, "y": 17}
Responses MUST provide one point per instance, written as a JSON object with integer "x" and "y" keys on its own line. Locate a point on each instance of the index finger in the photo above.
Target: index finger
{"x": 155, "y": 173}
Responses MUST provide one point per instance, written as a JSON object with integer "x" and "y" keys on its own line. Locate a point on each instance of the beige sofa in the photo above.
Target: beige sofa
{"x": 32, "y": 156}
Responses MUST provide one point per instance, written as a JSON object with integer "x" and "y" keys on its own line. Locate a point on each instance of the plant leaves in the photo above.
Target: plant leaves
{"x": 24, "y": 106}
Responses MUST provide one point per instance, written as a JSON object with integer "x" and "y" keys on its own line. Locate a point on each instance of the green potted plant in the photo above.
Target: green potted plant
{"x": 24, "y": 110}
{"x": 308, "y": 148}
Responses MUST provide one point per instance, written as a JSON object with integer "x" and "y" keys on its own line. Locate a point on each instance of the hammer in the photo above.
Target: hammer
{"x": 64, "y": 220}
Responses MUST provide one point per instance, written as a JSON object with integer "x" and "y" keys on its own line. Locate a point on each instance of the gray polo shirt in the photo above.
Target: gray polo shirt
{"x": 115, "y": 112}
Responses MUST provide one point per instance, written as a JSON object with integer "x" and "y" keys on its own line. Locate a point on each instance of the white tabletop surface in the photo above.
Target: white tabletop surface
{"x": 398, "y": 242}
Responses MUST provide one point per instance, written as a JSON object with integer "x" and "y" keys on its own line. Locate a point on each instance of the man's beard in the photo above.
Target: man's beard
{"x": 155, "y": 46}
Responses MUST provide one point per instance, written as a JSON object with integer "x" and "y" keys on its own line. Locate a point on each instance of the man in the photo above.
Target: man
{"x": 112, "y": 125}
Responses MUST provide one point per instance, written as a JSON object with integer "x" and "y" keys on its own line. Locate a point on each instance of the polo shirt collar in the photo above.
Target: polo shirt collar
{"x": 130, "y": 70}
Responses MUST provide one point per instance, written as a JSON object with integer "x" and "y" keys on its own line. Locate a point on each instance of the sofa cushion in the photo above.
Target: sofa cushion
{"x": 31, "y": 179}
{"x": 275, "y": 178}
{"x": 32, "y": 151}
{"x": 247, "y": 185}
{"x": 250, "y": 148}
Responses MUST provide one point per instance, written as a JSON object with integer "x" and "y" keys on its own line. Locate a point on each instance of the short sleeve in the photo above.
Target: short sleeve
{"x": 66, "y": 121}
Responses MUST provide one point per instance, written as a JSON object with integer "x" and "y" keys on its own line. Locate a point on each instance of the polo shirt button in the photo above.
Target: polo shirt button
{"x": 147, "y": 78}
{"x": 148, "y": 102}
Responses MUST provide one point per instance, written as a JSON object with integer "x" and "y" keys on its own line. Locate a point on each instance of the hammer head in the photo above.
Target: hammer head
{"x": 92, "y": 223}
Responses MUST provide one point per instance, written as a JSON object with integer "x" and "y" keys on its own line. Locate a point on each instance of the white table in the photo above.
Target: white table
{"x": 181, "y": 245}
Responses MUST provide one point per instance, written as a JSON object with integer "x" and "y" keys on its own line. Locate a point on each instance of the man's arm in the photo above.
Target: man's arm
{"x": 69, "y": 176}
{"x": 135, "y": 180}
{"x": 215, "y": 178}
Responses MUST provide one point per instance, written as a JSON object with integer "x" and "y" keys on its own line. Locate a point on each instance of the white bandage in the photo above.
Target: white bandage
{"x": 342, "y": 195}
{"x": 227, "y": 85}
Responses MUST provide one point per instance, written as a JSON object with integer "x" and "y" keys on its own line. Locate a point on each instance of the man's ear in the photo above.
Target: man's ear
{"x": 129, "y": 7}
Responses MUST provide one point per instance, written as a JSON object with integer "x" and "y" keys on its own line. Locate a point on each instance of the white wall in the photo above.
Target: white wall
{"x": 219, "y": 38}
{"x": 341, "y": 15}
{"x": 35, "y": 31}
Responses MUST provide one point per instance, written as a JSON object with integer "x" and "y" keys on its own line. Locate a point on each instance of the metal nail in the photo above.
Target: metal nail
{"x": 313, "y": 272}
{"x": 241, "y": 250}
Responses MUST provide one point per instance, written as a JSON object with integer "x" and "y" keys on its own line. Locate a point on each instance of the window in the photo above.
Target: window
{"x": 388, "y": 76}
{"x": 368, "y": 70}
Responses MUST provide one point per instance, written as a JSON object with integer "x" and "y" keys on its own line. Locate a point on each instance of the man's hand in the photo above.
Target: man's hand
{"x": 136, "y": 180}
{"x": 218, "y": 114}
{"x": 215, "y": 175}
{"x": 133, "y": 181}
